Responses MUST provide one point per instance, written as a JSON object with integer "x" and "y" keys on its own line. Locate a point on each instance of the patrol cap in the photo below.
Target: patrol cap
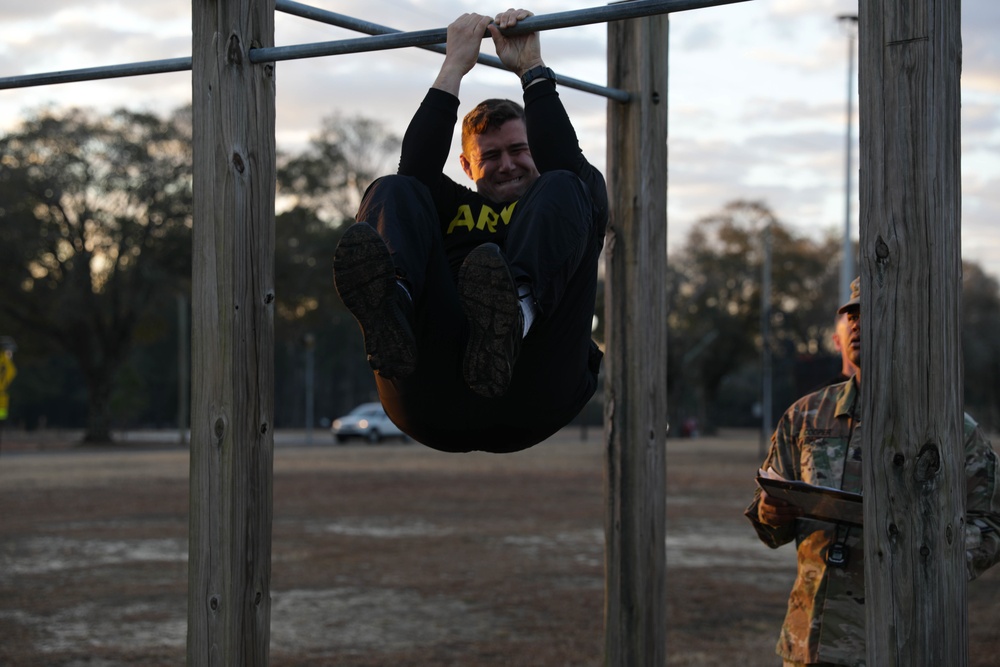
{"x": 855, "y": 300}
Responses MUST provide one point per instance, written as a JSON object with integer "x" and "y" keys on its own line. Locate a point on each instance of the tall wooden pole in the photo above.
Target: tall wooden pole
{"x": 229, "y": 566}
{"x": 636, "y": 336}
{"x": 914, "y": 484}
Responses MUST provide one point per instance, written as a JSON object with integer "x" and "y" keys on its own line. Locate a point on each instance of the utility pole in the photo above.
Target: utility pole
{"x": 847, "y": 270}
{"x": 309, "y": 343}
{"x": 766, "y": 361}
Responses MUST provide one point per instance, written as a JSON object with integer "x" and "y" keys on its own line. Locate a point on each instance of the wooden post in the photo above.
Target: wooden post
{"x": 229, "y": 566}
{"x": 914, "y": 482}
{"x": 636, "y": 336}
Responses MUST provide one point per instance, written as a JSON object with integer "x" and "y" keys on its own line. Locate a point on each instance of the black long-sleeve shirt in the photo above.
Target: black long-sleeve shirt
{"x": 467, "y": 218}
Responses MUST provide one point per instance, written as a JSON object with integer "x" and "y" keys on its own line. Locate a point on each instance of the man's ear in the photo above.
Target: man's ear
{"x": 836, "y": 341}
{"x": 466, "y": 165}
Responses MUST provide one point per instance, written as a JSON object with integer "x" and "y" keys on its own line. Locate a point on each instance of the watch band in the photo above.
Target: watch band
{"x": 540, "y": 72}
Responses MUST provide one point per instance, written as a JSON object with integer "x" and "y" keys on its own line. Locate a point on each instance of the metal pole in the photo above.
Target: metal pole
{"x": 847, "y": 271}
{"x": 309, "y": 341}
{"x": 342, "y": 21}
{"x": 614, "y": 12}
{"x": 420, "y": 38}
{"x": 95, "y": 73}
{"x": 183, "y": 364}
{"x": 765, "y": 346}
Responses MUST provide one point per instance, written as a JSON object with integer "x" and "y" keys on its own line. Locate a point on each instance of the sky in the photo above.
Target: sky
{"x": 758, "y": 93}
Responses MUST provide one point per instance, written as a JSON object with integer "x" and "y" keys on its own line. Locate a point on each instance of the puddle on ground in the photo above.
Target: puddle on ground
{"x": 383, "y": 529}
{"x": 700, "y": 545}
{"x": 311, "y": 621}
{"x": 45, "y": 555}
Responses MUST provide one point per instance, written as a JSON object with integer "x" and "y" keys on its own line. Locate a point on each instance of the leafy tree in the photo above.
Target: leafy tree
{"x": 310, "y": 318}
{"x": 95, "y": 217}
{"x": 320, "y": 190}
{"x": 714, "y": 324}
{"x": 330, "y": 177}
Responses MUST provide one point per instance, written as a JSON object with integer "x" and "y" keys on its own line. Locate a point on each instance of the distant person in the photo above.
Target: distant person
{"x": 817, "y": 441}
{"x": 8, "y": 371}
{"x": 477, "y": 305}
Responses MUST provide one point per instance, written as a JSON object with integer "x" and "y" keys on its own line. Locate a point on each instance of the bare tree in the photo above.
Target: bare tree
{"x": 332, "y": 174}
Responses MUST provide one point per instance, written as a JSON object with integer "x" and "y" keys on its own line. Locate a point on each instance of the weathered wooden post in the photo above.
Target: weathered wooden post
{"x": 914, "y": 484}
{"x": 636, "y": 336}
{"x": 229, "y": 567}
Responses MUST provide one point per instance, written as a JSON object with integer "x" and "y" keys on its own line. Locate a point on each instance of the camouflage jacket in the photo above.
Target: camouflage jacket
{"x": 818, "y": 441}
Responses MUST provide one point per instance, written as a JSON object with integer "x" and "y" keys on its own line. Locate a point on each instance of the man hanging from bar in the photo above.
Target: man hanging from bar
{"x": 477, "y": 305}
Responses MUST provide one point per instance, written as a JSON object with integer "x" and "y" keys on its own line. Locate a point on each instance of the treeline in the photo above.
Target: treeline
{"x": 95, "y": 245}
{"x": 714, "y": 331}
{"x": 95, "y": 250}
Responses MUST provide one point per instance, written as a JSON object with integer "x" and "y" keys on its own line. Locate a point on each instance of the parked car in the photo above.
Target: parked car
{"x": 368, "y": 422}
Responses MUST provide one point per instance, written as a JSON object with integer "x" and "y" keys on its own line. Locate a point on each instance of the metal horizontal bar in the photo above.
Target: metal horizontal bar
{"x": 95, "y": 73}
{"x": 614, "y": 12}
{"x": 343, "y": 21}
{"x": 399, "y": 40}
{"x": 421, "y": 38}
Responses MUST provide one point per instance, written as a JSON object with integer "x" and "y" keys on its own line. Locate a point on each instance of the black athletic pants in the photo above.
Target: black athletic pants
{"x": 552, "y": 243}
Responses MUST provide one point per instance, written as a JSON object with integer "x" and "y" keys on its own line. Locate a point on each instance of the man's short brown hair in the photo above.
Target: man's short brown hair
{"x": 489, "y": 115}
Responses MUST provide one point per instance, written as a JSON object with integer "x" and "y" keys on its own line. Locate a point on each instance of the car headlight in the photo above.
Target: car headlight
{"x": 363, "y": 423}
{"x": 337, "y": 424}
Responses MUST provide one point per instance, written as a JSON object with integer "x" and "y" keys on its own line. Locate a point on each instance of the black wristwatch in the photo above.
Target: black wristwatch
{"x": 540, "y": 72}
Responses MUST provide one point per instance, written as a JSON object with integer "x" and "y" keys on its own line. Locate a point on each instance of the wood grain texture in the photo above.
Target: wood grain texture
{"x": 636, "y": 337}
{"x": 910, "y": 64}
{"x": 232, "y": 335}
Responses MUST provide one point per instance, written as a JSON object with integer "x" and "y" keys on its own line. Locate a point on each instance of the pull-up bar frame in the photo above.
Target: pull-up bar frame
{"x": 383, "y": 38}
{"x": 568, "y": 19}
{"x": 367, "y": 27}
{"x": 143, "y": 68}
{"x": 233, "y": 295}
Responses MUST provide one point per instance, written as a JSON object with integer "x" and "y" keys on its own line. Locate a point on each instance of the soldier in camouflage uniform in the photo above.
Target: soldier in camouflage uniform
{"x": 818, "y": 441}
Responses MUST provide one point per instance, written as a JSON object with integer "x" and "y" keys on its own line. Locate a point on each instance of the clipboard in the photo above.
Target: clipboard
{"x": 817, "y": 502}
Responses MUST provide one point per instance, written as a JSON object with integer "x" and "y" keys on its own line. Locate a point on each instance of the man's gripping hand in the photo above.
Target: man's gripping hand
{"x": 776, "y": 512}
{"x": 465, "y": 38}
{"x": 518, "y": 52}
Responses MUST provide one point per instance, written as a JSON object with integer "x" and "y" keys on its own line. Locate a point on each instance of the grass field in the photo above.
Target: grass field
{"x": 391, "y": 555}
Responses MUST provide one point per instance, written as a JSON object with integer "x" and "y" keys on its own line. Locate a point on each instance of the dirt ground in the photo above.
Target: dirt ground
{"x": 390, "y": 555}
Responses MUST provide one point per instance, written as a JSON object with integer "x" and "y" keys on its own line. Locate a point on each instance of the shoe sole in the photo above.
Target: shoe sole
{"x": 365, "y": 278}
{"x": 489, "y": 299}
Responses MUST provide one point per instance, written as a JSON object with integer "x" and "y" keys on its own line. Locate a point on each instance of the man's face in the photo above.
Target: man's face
{"x": 500, "y": 163}
{"x": 850, "y": 341}
{"x": 841, "y": 333}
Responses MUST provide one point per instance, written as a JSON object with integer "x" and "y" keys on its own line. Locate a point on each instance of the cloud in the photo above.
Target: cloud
{"x": 757, "y": 91}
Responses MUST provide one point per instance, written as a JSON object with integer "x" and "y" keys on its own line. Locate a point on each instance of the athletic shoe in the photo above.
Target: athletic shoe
{"x": 496, "y": 324}
{"x": 365, "y": 278}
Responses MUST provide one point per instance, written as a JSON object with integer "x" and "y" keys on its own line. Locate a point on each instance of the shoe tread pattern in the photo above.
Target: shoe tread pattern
{"x": 365, "y": 278}
{"x": 489, "y": 299}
